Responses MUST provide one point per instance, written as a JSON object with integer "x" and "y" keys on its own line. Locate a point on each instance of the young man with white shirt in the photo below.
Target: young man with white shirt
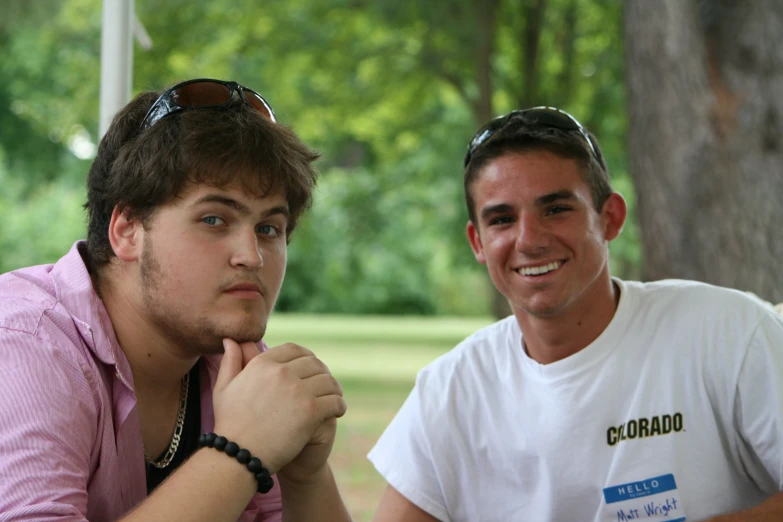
{"x": 131, "y": 383}
{"x": 598, "y": 399}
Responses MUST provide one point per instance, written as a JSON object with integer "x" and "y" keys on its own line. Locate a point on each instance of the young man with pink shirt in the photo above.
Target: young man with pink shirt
{"x": 134, "y": 384}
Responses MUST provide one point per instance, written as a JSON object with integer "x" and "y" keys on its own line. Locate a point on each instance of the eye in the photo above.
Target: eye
{"x": 557, "y": 210}
{"x": 501, "y": 220}
{"x": 213, "y": 221}
{"x": 268, "y": 230}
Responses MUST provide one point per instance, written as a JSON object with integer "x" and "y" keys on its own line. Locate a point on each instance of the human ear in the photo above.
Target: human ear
{"x": 125, "y": 235}
{"x": 614, "y": 213}
{"x": 475, "y": 243}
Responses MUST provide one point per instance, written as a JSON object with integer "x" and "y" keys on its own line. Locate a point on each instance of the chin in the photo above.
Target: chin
{"x": 246, "y": 332}
{"x": 209, "y": 333}
{"x": 543, "y": 313}
{"x": 541, "y": 309}
{"x": 215, "y": 347}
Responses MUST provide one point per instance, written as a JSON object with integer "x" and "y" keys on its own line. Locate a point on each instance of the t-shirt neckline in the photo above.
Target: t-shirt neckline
{"x": 591, "y": 354}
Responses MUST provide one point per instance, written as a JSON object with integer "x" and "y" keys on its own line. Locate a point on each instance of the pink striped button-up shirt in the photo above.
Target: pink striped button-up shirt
{"x": 70, "y": 438}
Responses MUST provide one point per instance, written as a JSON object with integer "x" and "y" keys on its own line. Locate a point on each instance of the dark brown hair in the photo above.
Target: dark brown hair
{"x": 140, "y": 171}
{"x": 518, "y": 137}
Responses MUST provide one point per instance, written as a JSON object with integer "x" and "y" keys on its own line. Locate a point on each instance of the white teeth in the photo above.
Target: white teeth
{"x": 536, "y": 270}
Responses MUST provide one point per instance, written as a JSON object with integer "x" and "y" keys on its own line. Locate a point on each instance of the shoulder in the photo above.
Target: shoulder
{"x": 35, "y": 367}
{"x": 481, "y": 346}
{"x": 42, "y": 352}
{"x": 713, "y": 325}
{"x": 25, "y": 296}
{"x": 684, "y": 289}
{"x": 479, "y": 358}
{"x": 415, "y": 453}
{"x": 35, "y": 322}
{"x": 689, "y": 299}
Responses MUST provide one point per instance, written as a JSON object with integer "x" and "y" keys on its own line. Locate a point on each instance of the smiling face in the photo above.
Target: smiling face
{"x": 211, "y": 266}
{"x": 537, "y": 230}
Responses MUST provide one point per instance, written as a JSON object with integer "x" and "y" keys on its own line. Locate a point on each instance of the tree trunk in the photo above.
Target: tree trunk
{"x": 534, "y": 13}
{"x": 486, "y": 18}
{"x": 704, "y": 89}
{"x": 566, "y": 76}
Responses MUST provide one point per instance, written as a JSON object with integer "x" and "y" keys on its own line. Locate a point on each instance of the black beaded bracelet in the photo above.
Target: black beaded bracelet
{"x": 232, "y": 449}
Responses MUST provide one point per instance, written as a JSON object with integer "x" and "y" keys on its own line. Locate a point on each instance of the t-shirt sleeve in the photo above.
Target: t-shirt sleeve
{"x": 404, "y": 457}
{"x": 759, "y": 405}
{"x": 47, "y": 429}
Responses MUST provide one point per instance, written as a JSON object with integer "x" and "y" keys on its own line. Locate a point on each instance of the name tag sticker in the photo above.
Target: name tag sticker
{"x": 655, "y": 499}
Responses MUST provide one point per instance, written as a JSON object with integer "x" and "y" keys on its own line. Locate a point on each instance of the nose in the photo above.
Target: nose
{"x": 246, "y": 251}
{"x": 532, "y": 236}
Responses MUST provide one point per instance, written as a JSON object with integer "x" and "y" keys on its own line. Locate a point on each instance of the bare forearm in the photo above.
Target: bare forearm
{"x": 208, "y": 487}
{"x": 771, "y": 510}
{"x": 316, "y": 500}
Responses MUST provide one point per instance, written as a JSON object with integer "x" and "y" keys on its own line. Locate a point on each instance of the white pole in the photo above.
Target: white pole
{"x": 116, "y": 59}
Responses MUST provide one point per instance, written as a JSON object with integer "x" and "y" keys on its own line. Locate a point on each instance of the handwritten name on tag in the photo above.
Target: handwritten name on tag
{"x": 655, "y": 499}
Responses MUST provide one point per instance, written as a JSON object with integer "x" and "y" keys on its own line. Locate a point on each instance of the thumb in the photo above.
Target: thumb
{"x": 230, "y": 365}
{"x": 249, "y": 350}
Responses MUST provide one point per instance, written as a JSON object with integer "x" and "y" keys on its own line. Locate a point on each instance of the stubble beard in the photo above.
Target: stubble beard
{"x": 197, "y": 334}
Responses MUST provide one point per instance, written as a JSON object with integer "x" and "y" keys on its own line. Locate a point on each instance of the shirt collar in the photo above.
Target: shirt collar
{"x": 75, "y": 291}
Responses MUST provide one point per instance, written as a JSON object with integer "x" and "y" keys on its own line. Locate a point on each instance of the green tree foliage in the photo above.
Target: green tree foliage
{"x": 390, "y": 92}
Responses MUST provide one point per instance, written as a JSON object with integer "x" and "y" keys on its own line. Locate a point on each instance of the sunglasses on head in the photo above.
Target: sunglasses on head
{"x": 200, "y": 94}
{"x": 534, "y": 117}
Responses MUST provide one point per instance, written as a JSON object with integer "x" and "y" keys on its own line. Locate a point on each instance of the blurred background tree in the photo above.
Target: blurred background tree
{"x": 390, "y": 92}
{"x": 706, "y": 139}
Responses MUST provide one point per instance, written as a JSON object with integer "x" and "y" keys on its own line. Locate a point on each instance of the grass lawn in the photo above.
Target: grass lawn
{"x": 376, "y": 360}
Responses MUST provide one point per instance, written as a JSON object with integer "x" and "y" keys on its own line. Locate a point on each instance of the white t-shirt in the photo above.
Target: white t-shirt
{"x": 675, "y": 412}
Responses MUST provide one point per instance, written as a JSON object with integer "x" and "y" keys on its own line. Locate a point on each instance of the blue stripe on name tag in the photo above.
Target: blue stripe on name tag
{"x": 640, "y": 489}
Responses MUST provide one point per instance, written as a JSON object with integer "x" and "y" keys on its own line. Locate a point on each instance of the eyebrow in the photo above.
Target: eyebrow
{"x": 554, "y": 196}
{"x": 238, "y": 206}
{"x": 495, "y": 209}
{"x": 541, "y": 201}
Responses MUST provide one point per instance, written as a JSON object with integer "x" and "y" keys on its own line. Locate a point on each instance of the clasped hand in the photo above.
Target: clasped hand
{"x": 281, "y": 405}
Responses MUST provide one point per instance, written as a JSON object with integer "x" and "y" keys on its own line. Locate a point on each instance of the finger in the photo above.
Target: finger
{"x": 324, "y": 433}
{"x": 306, "y": 367}
{"x": 331, "y": 406}
{"x": 323, "y": 384}
{"x": 286, "y": 352}
{"x": 230, "y": 364}
{"x": 249, "y": 350}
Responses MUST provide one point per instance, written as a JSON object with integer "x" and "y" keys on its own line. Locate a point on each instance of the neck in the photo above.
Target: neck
{"x": 553, "y": 338}
{"x": 157, "y": 362}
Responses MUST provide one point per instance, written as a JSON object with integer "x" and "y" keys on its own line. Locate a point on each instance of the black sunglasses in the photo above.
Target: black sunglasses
{"x": 203, "y": 93}
{"x": 535, "y": 116}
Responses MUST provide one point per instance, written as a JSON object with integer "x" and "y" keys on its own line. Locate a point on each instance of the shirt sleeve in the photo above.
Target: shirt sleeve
{"x": 48, "y": 424}
{"x": 403, "y": 456}
{"x": 759, "y": 406}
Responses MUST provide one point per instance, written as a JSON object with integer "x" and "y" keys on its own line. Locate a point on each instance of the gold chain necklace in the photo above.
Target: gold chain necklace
{"x": 174, "y": 444}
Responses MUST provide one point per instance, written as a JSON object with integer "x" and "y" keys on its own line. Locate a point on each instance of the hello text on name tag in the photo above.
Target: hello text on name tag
{"x": 655, "y": 499}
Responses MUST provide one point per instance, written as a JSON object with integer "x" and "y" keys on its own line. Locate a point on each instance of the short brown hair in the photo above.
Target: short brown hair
{"x": 518, "y": 137}
{"x": 138, "y": 171}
